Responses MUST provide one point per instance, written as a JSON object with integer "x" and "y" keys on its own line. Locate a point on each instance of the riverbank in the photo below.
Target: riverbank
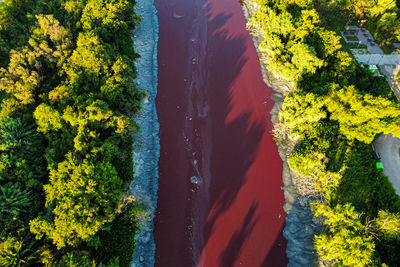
{"x": 300, "y": 222}
{"x": 146, "y": 142}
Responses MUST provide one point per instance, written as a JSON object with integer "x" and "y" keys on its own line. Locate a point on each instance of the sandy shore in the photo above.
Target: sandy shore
{"x": 300, "y": 224}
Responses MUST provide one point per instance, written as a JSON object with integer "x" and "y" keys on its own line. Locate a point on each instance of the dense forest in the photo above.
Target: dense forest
{"x": 66, "y": 127}
{"x": 334, "y": 112}
{"x": 66, "y": 132}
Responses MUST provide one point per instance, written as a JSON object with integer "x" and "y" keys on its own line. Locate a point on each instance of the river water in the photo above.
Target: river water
{"x": 220, "y": 201}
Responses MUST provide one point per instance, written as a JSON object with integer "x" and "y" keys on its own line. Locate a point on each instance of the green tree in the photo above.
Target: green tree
{"x": 304, "y": 58}
{"x": 22, "y": 78}
{"x": 20, "y": 146}
{"x": 77, "y": 259}
{"x": 13, "y": 252}
{"x": 359, "y": 7}
{"x": 388, "y": 28}
{"x": 325, "y": 42}
{"x": 83, "y": 196}
{"x": 88, "y": 61}
{"x": 326, "y": 183}
{"x": 380, "y": 7}
{"x": 14, "y": 204}
{"x": 305, "y": 23}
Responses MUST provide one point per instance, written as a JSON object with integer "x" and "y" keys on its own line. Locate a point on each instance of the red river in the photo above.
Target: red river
{"x": 220, "y": 201}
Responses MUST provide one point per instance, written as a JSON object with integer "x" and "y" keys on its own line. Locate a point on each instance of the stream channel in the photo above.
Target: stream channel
{"x": 220, "y": 201}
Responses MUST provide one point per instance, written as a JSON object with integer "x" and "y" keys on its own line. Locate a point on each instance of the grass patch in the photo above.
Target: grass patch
{"x": 352, "y": 38}
{"x": 386, "y": 49}
{"x": 356, "y": 46}
{"x": 360, "y": 51}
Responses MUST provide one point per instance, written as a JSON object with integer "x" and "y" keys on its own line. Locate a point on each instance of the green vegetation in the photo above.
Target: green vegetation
{"x": 346, "y": 240}
{"x": 289, "y": 30}
{"x": 336, "y": 110}
{"x": 352, "y": 38}
{"x": 380, "y": 17}
{"x": 66, "y": 129}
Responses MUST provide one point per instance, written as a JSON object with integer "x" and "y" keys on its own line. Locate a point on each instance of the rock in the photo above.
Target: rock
{"x": 195, "y": 180}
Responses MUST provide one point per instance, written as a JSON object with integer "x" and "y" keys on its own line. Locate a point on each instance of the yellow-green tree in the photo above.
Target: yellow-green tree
{"x": 302, "y": 111}
{"x": 284, "y": 31}
{"x": 362, "y": 116}
{"x": 388, "y": 224}
{"x": 347, "y": 242}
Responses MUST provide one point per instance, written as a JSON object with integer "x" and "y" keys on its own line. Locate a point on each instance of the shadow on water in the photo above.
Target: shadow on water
{"x": 278, "y": 248}
{"x": 241, "y": 148}
{"x": 225, "y": 56}
{"x": 232, "y": 251}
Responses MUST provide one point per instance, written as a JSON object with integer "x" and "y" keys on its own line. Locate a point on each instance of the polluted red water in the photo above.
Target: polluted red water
{"x": 220, "y": 201}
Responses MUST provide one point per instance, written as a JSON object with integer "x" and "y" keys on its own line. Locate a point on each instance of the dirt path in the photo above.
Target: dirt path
{"x": 220, "y": 198}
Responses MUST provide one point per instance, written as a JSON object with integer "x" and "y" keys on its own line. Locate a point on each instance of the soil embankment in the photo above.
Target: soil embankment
{"x": 220, "y": 201}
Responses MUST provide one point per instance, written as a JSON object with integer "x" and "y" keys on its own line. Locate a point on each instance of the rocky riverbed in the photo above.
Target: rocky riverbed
{"x": 147, "y": 145}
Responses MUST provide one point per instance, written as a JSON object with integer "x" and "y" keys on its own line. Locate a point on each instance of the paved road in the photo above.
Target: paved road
{"x": 364, "y": 37}
{"x": 391, "y": 71}
{"x": 389, "y": 147}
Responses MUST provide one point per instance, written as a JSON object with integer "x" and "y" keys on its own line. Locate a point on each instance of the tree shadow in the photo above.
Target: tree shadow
{"x": 232, "y": 251}
{"x": 240, "y": 104}
{"x": 277, "y": 250}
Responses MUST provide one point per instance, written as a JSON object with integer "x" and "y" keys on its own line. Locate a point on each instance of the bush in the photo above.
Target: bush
{"x": 306, "y": 162}
{"x": 117, "y": 240}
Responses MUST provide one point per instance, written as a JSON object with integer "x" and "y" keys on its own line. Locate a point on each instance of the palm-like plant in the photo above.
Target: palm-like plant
{"x": 13, "y": 206}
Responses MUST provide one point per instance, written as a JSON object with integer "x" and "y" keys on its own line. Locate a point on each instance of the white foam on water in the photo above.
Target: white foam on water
{"x": 177, "y": 16}
{"x": 195, "y": 180}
